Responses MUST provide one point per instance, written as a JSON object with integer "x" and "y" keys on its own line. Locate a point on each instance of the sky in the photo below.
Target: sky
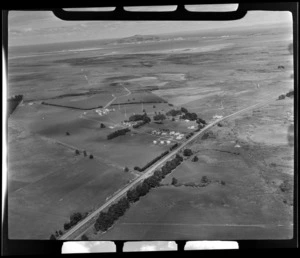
{"x": 42, "y": 27}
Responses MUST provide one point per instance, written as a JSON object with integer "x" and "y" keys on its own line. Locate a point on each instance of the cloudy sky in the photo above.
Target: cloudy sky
{"x": 40, "y": 27}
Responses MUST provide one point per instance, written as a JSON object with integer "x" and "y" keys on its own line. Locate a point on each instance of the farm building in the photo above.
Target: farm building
{"x": 171, "y": 133}
{"x": 187, "y": 120}
{"x": 162, "y": 142}
{"x": 168, "y": 142}
{"x": 164, "y": 134}
{"x": 155, "y": 142}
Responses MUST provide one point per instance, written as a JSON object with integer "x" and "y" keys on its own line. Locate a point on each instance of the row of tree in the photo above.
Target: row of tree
{"x": 107, "y": 219}
{"x": 174, "y": 146}
{"x": 118, "y": 133}
{"x": 151, "y": 162}
{"x": 189, "y": 135}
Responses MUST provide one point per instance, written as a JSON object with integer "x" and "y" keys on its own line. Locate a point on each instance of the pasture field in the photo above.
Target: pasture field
{"x": 45, "y": 190}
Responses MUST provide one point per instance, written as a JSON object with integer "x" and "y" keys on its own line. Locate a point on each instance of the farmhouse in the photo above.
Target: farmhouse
{"x": 155, "y": 142}
{"x": 162, "y": 142}
{"x": 168, "y": 142}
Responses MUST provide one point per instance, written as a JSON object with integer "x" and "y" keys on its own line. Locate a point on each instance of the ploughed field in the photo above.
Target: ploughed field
{"x": 209, "y": 76}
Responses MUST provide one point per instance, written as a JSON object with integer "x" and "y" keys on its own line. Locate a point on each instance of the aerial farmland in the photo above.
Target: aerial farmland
{"x": 99, "y": 118}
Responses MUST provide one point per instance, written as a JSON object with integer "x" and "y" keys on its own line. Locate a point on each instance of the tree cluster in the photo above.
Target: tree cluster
{"x": 159, "y": 117}
{"x": 201, "y": 121}
{"x": 189, "y": 116}
{"x": 146, "y": 119}
{"x": 187, "y": 152}
{"x": 118, "y": 133}
{"x": 13, "y": 102}
{"x": 290, "y": 94}
{"x": 281, "y": 96}
{"x": 74, "y": 219}
{"x": 184, "y": 110}
{"x": 174, "y": 112}
{"x": 151, "y": 162}
{"x": 115, "y": 211}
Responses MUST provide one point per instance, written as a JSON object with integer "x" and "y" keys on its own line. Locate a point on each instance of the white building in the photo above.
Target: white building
{"x": 155, "y": 142}
{"x": 171, "y": 133}
{"x": 168, "y": 142}
{"x": 162, "y": 142}
{"x": 178, "y": 138}
{"x": 164, "y": 134}
{"x": 187, "y": 120}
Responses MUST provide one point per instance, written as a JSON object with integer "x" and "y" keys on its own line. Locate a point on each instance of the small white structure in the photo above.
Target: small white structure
{"x": 177, "y": 133}
{"x": 178, "y": 138}
{"x": 187, "y": 120}
{"x": 111, "y": 127}
{"x": 162, "y": 142}
{"x": 155, "y": 142}
{"x": 171, "y": 133}
{"x": 168, "y": 142}
{"x": 237, "y": 146}
{"x": 164, "y": 134}
{"x": 217, "y": 117}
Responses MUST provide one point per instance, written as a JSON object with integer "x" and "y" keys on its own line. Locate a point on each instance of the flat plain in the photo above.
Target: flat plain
{"x": 212, "y": 76}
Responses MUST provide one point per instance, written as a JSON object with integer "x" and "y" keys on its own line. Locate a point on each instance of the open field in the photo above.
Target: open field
{"x": 213, "y": 77}
{"x": 48, "y": 182}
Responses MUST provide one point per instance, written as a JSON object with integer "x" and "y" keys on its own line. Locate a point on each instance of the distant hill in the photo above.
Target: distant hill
{"x": 138, "y": 39}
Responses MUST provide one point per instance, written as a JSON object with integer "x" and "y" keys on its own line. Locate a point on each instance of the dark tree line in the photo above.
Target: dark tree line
{"x": 151, "y": 162}
{"x": 189, "y": 135}
{"x": 118, "y": 133}
{"x": 174, "y": 146}
{"x": 138, "y": 117}
{"x": 107, "y": 219}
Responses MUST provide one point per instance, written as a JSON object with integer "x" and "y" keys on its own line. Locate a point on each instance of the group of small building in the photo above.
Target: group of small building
{"x": 172, "y": 134}
{"x": 103, "y": 111}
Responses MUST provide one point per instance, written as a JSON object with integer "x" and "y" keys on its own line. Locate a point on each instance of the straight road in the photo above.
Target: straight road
{"x": 151, "y": 169}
